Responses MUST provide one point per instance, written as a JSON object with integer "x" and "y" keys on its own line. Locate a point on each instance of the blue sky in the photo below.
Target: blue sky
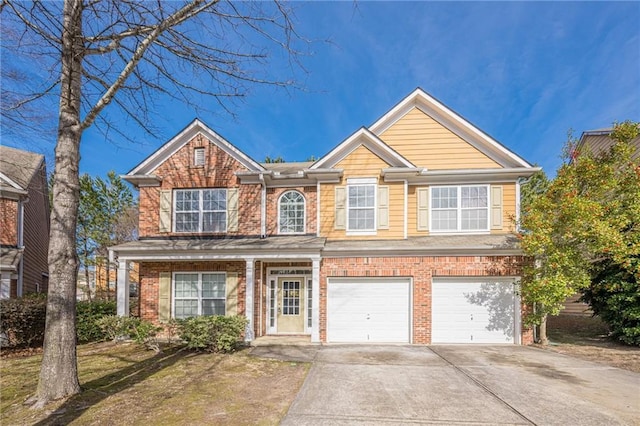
{"x": 525, "y": 73}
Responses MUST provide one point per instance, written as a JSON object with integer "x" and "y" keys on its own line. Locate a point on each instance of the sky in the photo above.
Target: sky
{"x": 523, "y": 72}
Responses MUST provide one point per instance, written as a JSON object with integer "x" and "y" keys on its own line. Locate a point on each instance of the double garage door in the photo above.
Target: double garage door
{"x": 379, "y": 310}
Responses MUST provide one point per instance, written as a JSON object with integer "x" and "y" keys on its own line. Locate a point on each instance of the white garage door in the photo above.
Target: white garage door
{"x": 368, "y": 310}
{"x": 473, "y": 311}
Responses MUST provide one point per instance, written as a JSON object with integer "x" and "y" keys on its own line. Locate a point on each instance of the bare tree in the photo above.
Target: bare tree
{"x": 126, "y": 53}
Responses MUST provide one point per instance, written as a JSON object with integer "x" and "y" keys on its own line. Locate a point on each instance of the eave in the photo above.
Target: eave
{"x": 142, "y": 180}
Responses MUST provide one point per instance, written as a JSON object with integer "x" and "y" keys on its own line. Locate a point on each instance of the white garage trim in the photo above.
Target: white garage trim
{"x": 369, "y": 310}
{"x": 475, "y": 310}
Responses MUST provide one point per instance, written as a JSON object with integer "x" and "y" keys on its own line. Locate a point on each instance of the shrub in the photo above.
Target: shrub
{"x": 22, "y": 320}
{"x": 614, "y": 295}
{"x": 87, "y": 315}
{"x": 142, "y": 332}
{"x": 213, "y": 333}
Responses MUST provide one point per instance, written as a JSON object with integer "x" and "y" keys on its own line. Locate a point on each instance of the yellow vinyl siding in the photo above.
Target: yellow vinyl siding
{"x": 427, "y": 143}
{"x": 362, "y": 163}
{"x": 508, "y": 208}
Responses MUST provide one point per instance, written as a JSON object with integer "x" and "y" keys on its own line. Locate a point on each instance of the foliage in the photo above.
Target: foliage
{"x": 142, "y": 332}
{"x": 23, "y": 320}
{"x": 614, "y": 295}
{"x": 104, "y": 212}
{"x": 277, "y": 159}
{"x": 88, "y": 315}
{"x": 587, "y": 215}
{"x": 213, "y": 333}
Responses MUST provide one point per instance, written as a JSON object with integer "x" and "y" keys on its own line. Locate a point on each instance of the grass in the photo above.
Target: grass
{"x": 124, "y": 384}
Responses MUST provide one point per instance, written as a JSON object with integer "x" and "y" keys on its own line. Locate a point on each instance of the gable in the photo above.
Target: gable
{"x": 453, "y": 122}
{"x": 196, "y": 128}
{"x": 362, "y": 162}
{"x": 427, "y": 143}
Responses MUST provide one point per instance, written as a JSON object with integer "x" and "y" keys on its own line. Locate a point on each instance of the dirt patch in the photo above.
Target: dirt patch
{"x": 124, "y": 384}
{"x": 587, "y": 338}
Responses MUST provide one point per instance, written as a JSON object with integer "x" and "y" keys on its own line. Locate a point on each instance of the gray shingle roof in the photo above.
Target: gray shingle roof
{"x": 19, "y": 165}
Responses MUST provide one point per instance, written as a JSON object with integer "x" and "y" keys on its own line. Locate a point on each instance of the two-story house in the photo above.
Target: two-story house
{"x": 24, "y": 223}
{"x": 401, "y": 233}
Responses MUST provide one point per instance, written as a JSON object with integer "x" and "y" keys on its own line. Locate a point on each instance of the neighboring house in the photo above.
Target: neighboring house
{"x": 402, "y": 233}
{"x": 102, "y": 281}
{"x": 24, "y": 223}
{"x": 596, "y": 142}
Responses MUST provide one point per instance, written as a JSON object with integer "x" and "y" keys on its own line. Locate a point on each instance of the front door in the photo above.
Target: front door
{"x": 291, "y": 305}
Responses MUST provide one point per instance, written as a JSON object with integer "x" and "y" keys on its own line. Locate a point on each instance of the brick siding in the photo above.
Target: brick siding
{"x": 310, "y": 204}
{"x": 8, "y": 222}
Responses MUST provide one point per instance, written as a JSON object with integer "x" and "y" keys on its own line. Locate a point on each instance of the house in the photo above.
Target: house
{"x": 102, "y": 280}
{"x": 596, "y": 142}
{"x": 401, "y": 233}
{"x": 24, "y": 223}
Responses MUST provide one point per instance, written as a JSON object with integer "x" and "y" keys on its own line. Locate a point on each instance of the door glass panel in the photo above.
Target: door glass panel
{"x": 272, "y": 304}
{"x": 309, "y": 310}
{"x": 291, "y": 298}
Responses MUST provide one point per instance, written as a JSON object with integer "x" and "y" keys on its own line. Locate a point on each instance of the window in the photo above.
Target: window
{"x": 291, "y": 298}
{"x": 201, "y": 210}
{"x": 198, "y": 156}
{"x": 197, "y": 294}
{"x": 459, "y": 208}
{"x": 291, "y": 213}
{"x": 361, "y": 204}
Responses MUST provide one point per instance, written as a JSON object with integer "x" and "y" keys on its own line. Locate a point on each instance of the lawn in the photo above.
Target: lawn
{"x": 586, "y": 337}
{"x": 124, "y": 384}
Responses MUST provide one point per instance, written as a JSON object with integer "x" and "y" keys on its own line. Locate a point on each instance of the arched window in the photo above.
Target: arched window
{"x": 291, "y": 213}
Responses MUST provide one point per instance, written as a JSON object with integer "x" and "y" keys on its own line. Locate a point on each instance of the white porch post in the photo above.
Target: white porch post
{"x": 5, "y": 285}
{"x": 315, "y": 301}
{"x": 249, "y": 285}
{"x": 123, "y": 288}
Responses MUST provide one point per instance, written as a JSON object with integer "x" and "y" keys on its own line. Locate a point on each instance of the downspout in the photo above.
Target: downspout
{"x": 406, "y": 208}
{"x": 263, "y": 207}
{"x": 19, "y": 286}
{"x": 318, "y": 209}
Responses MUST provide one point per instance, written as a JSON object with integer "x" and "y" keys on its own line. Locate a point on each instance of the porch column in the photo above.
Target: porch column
{"x": 248, "y": 308}
{"x": 315, "y": 301}
{"x": 122, "y": 286}
{"x": 5, "y": 285}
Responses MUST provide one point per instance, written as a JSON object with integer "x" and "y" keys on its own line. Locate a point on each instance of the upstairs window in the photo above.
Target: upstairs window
{"x": 459, "y": 208}
{"x": 361, "y": 205}
{"x": 291, "y": 213}
{"x": 201, "y": 210}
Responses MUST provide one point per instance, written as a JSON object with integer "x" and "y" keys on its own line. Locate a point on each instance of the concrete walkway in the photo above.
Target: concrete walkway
{"x": 449, "y": 385}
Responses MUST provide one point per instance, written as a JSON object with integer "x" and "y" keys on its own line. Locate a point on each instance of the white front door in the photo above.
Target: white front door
{"x": 290, "y": 305}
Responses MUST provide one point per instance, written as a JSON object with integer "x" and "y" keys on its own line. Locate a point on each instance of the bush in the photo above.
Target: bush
{"x": 87, "y": 315}
{"x": 22, "y": 320}
{"x": 614, "y": 295}
{"x": 213, "y": 333}
{"x": 142, "y": 332}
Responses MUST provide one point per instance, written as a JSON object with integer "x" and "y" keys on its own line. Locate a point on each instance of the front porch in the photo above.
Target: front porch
{"x": 274, "y": 282}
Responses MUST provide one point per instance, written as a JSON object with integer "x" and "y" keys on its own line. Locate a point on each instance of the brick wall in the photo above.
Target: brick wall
{"x": 8, "y": 222}
{"x": 218, "y": 172}
{"x": 422, "y": 270}
{"x": 150, "y": 274}
{"x": 310, "y": 204}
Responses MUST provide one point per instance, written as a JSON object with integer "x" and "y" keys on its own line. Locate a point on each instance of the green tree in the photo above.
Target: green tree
{"x": 588, "y": 214}
{"x": 105, "y": 206}
{"x": 123, "y": 54}
{"x": 277, "y": 159}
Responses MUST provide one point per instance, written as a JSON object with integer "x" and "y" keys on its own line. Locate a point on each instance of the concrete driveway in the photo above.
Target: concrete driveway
{"x": 470, "y": 385}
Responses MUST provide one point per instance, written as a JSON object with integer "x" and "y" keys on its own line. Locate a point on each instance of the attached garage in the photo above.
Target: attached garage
{"x": 369, "y": 310}
{"x": 483, "y": 310}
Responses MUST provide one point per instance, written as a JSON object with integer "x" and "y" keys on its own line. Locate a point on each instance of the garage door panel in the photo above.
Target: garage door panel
{"x": 473, "y": 312}
{"x": 368, "y": 310}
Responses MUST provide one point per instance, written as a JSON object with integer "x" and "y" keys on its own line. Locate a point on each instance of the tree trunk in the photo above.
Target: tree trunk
{"x": 542, "y": 337}
{"x": 59, "y": 370}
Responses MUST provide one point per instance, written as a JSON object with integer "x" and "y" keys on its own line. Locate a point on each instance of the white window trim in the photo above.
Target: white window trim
{"x": 198, "y": 160}
{"x": 363, "y": 182}
{"x": 304, "y": 213}
{"x": 173, "y": 290}
{"x": 200, "y": 210}
{"x": 459, "y": 229}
